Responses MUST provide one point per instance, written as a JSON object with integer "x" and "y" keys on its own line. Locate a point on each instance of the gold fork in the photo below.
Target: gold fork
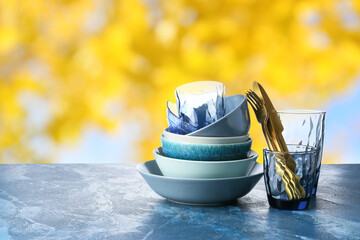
{"x": 260, "y": 112}
{"x": 263, "y": 118}
{"x": 292, "y": 182}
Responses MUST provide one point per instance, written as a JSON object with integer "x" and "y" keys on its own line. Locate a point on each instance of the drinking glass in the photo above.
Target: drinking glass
{"x": 200, "y": 103}
{"x": 305, "y": 159}
{"x": 305, "y": 127}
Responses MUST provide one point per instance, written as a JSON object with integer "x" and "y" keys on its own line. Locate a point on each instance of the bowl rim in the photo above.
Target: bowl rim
{"x": 199, "y": 82}
{"x": 186, "y": 138}
{"x": 253, "y": 155}
{"x": 226, "y": 115}
{"x": 249, "y": 140}
{"x": 138, "y": 167}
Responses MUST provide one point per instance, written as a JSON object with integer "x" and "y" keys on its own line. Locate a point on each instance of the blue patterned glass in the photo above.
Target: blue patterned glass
{"x": 305, "y": 159}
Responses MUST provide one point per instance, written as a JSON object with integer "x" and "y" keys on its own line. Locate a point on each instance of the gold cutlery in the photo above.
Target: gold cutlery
{"x": 272, "y": 129}
{"x": 275, "y": 125}
{"x": 262, "y": 117}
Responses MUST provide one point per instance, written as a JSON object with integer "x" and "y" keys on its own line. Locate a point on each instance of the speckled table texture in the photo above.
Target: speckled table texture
{"x": 112, "y": 201}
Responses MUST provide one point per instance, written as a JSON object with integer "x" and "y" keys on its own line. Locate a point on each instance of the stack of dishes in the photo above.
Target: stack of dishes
{"x": 212, "y": 165}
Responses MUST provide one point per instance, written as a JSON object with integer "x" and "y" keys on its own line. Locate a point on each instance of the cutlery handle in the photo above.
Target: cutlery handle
{"x": 283, "y": 148}
{"x": 266, "y": 135}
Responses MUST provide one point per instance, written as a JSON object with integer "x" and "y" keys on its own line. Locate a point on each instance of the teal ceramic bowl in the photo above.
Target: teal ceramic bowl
{"x": 178, "y": 168}
{"x": 205, "y": 152}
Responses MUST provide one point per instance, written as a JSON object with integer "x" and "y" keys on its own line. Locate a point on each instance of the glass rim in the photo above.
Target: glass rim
{"x": 313, "y": 150}
{"x": 186, "y": 85}
{"x": 301, "y": 111}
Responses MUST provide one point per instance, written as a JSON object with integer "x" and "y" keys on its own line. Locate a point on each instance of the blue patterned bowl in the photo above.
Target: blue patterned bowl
{"x": 177, "y": 125}
{"x": 205, "y": 152}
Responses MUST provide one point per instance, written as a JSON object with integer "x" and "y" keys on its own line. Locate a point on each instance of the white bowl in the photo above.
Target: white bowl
{"x": 204, "y": 140}
{"x": 173, "y": 167}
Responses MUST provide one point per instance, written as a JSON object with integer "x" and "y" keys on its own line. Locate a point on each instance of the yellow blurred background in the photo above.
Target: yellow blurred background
{"x": 88, "y": 81}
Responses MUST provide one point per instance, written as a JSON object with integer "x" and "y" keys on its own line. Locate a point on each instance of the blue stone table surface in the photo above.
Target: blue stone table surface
{"x": 112, "y": 201}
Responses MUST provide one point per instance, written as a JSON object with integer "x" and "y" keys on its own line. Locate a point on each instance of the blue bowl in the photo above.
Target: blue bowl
{"x": 236, "y": 121}
{"x": 205, "y": 152}
{"x": 199, "y": 191}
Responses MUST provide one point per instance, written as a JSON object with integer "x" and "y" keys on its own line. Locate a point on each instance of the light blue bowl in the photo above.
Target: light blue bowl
{"x": 236, "y": 121}
{"x": 205, "y": 152}
{"x": 199, "y": 191}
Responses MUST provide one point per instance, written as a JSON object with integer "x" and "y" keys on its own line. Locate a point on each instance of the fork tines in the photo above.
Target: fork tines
{"x": 256, "y": 96}
{"x": 253, "y": 100}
